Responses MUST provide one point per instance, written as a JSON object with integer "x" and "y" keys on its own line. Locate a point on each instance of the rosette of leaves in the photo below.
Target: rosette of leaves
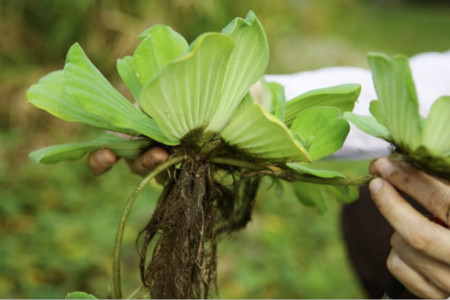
{"x": 424, "y": 142}
{"x": 194, "y": 99}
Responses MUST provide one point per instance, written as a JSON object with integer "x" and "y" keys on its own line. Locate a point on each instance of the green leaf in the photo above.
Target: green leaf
{"x": 277, "y": 100}
{"x": 95, "y": 95}
{"x": 187, "y": 92}
{"x": 245, "y": 102}
{"x": 318, "y": 195}
{"x": 374, "y": 108}
{"x": 340, "y": 96}
{"x": 120, "y": 147}
{"x": 436, "y": 133}
{"x": 127, "y": 72}
{"x": 79, "y": 295}
{"x": 264, "y": 136}
{"x": 160, "y": 46}
{"x": 369, "y": 125}
{"x": 397, "y": 98}
{"x": 48, "y": 94}
{"x": 311, "y": 195}
{"x": 323, "y": 127}
{"x": 247, "y": 64}
{"x": 304, "y": 169}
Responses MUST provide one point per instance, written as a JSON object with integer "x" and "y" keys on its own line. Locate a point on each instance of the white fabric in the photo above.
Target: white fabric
{"x": 431, "y": 73}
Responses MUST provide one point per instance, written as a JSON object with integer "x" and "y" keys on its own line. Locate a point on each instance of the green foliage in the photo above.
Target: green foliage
{"x": 289, "y": 251}
{"x": 197, "y": 89}
{"x": 396, "y": 117}
{"x": 79, "y": 295}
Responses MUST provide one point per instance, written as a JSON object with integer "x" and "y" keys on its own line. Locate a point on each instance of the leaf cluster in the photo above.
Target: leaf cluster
{"x": 395, "y": 117}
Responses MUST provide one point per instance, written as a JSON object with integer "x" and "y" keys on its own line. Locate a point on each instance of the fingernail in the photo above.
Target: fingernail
{"x": 375, "y": 185}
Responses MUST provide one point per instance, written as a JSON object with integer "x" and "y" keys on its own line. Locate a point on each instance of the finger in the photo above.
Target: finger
{"x": 101, "y": 161}
{"x": 435, "y": 271}
{"x": 421, "y": 233}
{"x": 412, "y": 280}
{"x": 149, "y": 160}
{"x": 433, "y": 194}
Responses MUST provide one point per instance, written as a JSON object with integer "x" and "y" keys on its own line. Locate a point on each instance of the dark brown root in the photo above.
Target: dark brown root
{"x": 192, "y": 212}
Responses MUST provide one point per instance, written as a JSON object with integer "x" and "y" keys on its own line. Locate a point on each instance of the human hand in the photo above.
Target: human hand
{"x": 420, "y": 255}
{"x": 102, "y": 160}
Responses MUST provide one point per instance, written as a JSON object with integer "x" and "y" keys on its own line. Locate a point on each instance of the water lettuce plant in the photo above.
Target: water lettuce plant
{"x": 424, "y": 142}
{"x": 194, "y": 100}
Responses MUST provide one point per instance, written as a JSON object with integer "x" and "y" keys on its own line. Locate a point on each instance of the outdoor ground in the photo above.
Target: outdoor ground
{"x": 57, "y": 223}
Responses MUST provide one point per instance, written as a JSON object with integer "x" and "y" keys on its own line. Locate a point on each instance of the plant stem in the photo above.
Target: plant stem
{"x": 237, "y": 163}
{"x": 126, "y": 212}
{"x": 288, "y": 175}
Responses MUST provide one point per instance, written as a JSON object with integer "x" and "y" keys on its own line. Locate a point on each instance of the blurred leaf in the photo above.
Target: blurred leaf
{"x": 397, "y": 99}
{"x": 120, "y": 147}
{"x": 323, "y": 128}
{"x": 340, "y": 96}
{"x": 277, "y": 100}
{"x": 369, "y": 125}
{"x": 318, "y": 195}
{"x": 304, "y": 169}
{"x": 79, "y": 295}
{"x": 265, "y": 136}
{"x": 374, "y": 108}
{"x": 436, "y": 133}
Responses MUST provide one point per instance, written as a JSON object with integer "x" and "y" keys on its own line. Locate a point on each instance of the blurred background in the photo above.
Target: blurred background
{"x": 57, "y": 223}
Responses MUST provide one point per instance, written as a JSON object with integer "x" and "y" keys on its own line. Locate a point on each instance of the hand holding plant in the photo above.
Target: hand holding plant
{"x": 420, "y": 248}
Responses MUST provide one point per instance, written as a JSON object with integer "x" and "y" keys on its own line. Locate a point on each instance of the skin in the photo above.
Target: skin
{"x": 420, "y": 255}
{"x": 102, "y": 160}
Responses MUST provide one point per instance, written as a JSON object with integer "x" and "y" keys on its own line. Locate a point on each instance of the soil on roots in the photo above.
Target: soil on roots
{"x": 183, "y": 263}
{"x": 192, "y": 212}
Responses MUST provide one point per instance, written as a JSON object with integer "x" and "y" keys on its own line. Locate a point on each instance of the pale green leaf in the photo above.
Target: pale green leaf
{"x": 324, "y": 127}
{"x": 79, "y": 295}
{"x": 397, "y": 98}
{"x": 340, "y": 96}
{"x": 73, "y": 151}
{"x": 305, "y": 169}
{"x": 369, "y": 125}
{"x": 374, "y": 108}
{"x": 436, "y": 133}
{"x": 95, "y": 95}
{"x": 187, "y": 92}
{"x": 278, "y": 100}
{"x": 160, "y": 46}
{"x": 48, "y": 94}
{"x": 259, "y": 133}
{"x": 245, "y": 102}
{"x": 127, "y": 72}
{"x": 247, "y": 64}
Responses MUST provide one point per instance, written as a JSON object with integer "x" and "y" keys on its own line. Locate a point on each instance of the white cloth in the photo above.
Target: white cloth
{"x": 431, "y": 74}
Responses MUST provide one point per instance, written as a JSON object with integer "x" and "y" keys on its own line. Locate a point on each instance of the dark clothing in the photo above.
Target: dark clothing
{"x": 367, "y": 237}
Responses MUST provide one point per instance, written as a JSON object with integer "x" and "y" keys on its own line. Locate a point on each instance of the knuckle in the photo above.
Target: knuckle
{"x": 439, "y": 199}
{"x": 420, "y": 237}
{"x": 393, "y": 263}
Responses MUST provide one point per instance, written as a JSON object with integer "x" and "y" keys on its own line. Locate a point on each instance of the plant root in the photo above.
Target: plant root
{"x": 193, "y": 211}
